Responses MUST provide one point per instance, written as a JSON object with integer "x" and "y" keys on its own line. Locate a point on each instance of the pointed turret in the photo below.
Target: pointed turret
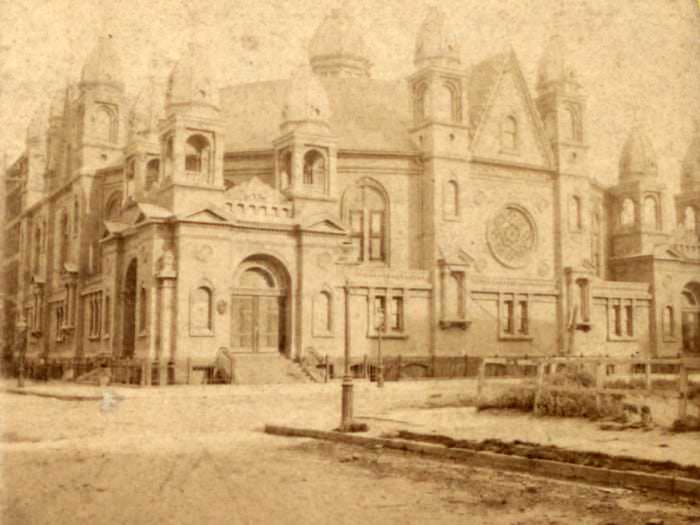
{"x": 436, "y": 43}
{"x": 338, "y": 48}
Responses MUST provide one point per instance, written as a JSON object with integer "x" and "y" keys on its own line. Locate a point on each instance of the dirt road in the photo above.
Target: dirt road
{"x": 204, "y": 460}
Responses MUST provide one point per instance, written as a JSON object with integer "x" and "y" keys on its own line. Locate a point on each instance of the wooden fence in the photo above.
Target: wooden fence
{"x": 602, "y": 367}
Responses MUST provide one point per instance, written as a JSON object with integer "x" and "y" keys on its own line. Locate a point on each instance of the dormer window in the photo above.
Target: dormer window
{"x": 509, "y": 134}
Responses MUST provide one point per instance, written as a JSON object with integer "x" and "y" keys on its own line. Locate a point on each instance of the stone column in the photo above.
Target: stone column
{"x": 166, "y": 280}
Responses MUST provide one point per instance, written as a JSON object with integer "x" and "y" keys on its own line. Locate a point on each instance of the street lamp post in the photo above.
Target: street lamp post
{"x": 347, "y": 393}
{"x": 22, "y": 347}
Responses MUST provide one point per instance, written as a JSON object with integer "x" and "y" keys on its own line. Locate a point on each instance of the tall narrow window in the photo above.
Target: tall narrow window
{"x": 76, "y": 216}
{"x": 365, "y": 209}
{"x": 524, "y": 324}
{"x": 570, "y": 124}
{"x": 143, "y": 309}
{"x": 509, "y": 134}
{"x": 575, "y": 213}
{"x": 668, "y": 322}
{"x": 201, "y": 311}
{"x": 651, "y": 219}
{"x": 380, "y": 321}
{"x": 152, "y": 173}
{"x": 583, "y": 300}
{"x": 421, "y": 93}
{"x": 396, "y": 321}
{"x": 197, "y": 157}
{"x": 445, "y": 104}
{"x": 627, "y": 212}
{"x": 107, "y": 316}
{"x": 65, "y": 239}
{"x": 509, "y": 317}
{"x": 617, "y": 319}
{"x": 690, "y": 219}
{"x": 451, "y": 199}
{"x": 629, "y": 320}
{"x": 103, "y": 125}
{"x": 37, "y": 248}
{"x": 323, "y": 313}
{"x": 315, "y": 170}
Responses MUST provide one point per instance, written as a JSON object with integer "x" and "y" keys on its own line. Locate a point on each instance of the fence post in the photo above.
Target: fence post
{"x": 399, "y": 365}
{"x": 433, "y": 365}
{"x": 365, "y": 359}
{"x": 480, "y": 381}
{"x": 538, "y": 390}
{"x": 682, "y": 392}
{"x": 188, "y": 363}
{"x": 325, "y": 368}
{"x": 647, "y": 375}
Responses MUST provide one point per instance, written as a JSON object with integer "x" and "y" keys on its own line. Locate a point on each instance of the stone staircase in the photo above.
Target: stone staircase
{"x": 266, "y": 369}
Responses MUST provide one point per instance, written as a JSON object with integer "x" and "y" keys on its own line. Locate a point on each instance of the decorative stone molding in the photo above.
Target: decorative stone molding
{"x": 512, "y": 236}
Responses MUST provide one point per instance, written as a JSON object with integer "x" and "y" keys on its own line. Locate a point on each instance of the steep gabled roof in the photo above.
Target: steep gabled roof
{"x": 483, "y": 79}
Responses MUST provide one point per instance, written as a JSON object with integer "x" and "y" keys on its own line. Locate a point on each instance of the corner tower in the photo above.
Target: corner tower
{"x": 191, "y": 136}
{"x": 688, "y": 200}
{"x": 639, "y": 218}
{"x": 306, "y": 151}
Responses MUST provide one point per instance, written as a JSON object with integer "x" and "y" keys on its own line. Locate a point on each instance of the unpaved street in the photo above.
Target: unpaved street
{"x": 194, "y": 459}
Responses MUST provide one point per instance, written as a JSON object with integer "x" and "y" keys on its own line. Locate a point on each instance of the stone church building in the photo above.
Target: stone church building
{"x": 453, "y": 209}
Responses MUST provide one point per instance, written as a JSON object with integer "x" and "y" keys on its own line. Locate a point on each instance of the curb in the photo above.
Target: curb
{"x": 61, "y": 397}
{"x": 540, "y": 467}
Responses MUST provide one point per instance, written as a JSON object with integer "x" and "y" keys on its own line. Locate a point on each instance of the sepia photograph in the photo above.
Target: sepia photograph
{"x": 319, "y": 262}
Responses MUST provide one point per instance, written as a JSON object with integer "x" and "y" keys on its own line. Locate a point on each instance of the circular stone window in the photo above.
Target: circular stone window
{"x": 512, "y": 236}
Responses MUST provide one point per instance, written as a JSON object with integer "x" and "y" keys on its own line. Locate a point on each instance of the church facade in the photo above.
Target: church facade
{"x": 448, "y": 213}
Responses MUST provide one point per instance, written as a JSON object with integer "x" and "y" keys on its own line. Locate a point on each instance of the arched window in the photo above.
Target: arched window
{"x": 570, "y": 124}
{"x": 197, "y": 156}
{"x": 651, "y": 218}
{"x": 445, "y": 104}
{"x": 690, "y": 219}
{"x": 152, "y": 173}
{"x": 201, "y": 313}
{"x": 65, "y": 238}
{"x": 669, "y": 322}
{"x": 143, "y": 309}
{"x": 575, "y": 213}
{"x": 421, "y": 94}
{"x": 315, "y": 169}
{"x": 38, "y": 239}
{"x": 113, "y": 207}
{"x": 627, "y": 212}
{"x": 323, "y": 314}
{"x": 509, "y": 134}
{"x": 366, "y": 213}
{"x": 76, "y": 216}
{"x": 451, "y": 199}
{"x": 285, "y": 169}
{"x": 103, "y": 122}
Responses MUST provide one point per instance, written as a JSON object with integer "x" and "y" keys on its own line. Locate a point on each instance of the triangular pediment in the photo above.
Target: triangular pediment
{"x": 511, "y": 99}
{"x": 323, "y": 224}
{"x": 207, "y": 215}
{"x": 452, "y": 255}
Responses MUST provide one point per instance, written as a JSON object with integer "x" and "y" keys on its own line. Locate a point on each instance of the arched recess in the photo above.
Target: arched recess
{"x": 446, "y": 103}
{"x": 260, "y": 306}
{"x": 198, "y": 157}
{"x": 627, "y": 212}
{"x": 129, "y": 293}
{"x": 105, "y": 124}
{"x": 366, "y": 210}
{"x": 650, "y": 213}
{"x": 420, "y": 102}
{"x": 202, "y": 309}
{"x": 451, "y": 199}
{"x": 323, "y": 312}
{"x": 690, "y": 318}
{"x": 315, "y": 170}
{"x": 152, "y": 173}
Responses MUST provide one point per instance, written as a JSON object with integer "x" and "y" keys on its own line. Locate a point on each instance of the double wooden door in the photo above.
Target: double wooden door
{"x": 257, "y": 323}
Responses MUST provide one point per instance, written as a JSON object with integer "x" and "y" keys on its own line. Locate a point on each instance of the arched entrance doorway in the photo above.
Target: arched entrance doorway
{"x": 129, "y": 337}
{"x": 259, "y": 307}
{"x": 690, "y": 318}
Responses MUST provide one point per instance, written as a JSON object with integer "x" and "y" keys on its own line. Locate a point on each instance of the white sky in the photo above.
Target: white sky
{"x": 636, "y": 56}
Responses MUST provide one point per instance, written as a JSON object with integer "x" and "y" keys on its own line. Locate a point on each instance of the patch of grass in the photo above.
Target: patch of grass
{"x": 558, "y": 404}
{"x": 688, "y": 424}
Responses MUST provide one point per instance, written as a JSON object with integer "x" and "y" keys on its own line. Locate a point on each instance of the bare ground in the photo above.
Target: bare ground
{"x": 192, "y": 457}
